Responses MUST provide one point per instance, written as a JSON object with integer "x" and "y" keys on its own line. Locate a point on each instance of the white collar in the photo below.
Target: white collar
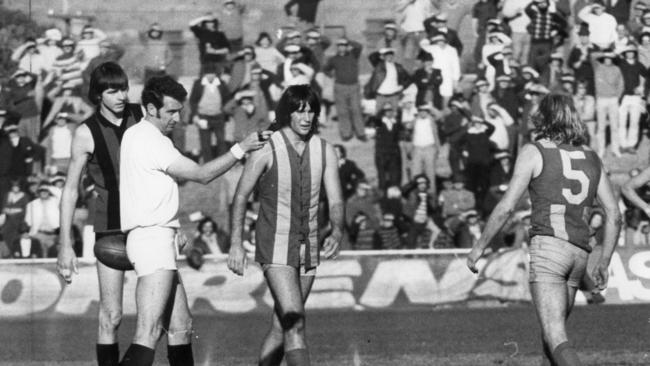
{"x": 215, "y": 82}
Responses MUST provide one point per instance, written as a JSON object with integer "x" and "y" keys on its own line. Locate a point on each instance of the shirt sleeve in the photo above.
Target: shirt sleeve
{"x": 163, "y": 154}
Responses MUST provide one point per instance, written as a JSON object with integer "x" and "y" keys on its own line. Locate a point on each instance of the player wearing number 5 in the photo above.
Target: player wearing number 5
{"x": 563, "y": 177}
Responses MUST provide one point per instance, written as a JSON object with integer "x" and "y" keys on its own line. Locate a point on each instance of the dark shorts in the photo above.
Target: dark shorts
{"x": 554, "y": 260}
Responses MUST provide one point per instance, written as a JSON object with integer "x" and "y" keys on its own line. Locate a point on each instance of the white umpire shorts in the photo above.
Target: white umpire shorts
{"x": 151, "y": 249}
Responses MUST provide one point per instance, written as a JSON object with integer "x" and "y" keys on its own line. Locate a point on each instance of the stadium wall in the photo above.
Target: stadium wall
{"x": 355, "y": 282}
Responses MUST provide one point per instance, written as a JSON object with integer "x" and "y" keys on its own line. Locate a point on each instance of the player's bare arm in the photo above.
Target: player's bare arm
{"x": 630, "y": 187}
{"x": 186, "y": 169}
{"x": 255, "y": 166}
{"x": 335, "y": 199}
{"x": 528, "y": 164}
{"x": 82, "y": 148}
{"x": 612, "y": 228}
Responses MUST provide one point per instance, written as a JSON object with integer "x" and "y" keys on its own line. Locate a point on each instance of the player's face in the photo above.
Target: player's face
{"x": 302, "y": 120}
{"x": 115, "y": 100}
{"x": 170, "y": 113}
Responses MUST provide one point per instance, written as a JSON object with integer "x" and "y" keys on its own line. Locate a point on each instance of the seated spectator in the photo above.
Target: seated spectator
{"x": 246, "y": 114}
{"x": 349, "y": 173}
{"x": 387, "y": 236}
{"x": 361, "y": 233}
{"x": 42, "y": 216}
{"x": 25, "y": 246}
{"x": 261, "y": 82}
{"x": 267, "y": 56}
{"x": 240, "y": 70}
{"x": 58, "y": 143}
{"x": 466, "y": 229}
{"x": 213, "y": 44}
{"x": 365, "y": 201}
{"x": 57, "y": 181}
{"x": 14, "y": 212}
{"x": 209, "y": 239}
{"x": 456, "y": 199}
{"x": 21, "y": 152}
{"x": 420, "y": 205}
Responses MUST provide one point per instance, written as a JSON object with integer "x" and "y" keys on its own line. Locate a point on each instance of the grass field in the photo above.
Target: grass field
{"x": 503, "y": 335}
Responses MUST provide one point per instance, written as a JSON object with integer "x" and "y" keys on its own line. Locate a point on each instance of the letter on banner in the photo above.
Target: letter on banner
{"x": 334, "y": 286}
{"x": 618, "y": 280}
{"x": 639, "y": 266}
{"x": 27, "y": 289}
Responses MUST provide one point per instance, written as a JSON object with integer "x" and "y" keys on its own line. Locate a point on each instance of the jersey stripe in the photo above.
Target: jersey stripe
{"x": 316, "y": 166}
{"x": 283, "y": 209}
{"x": 558, "y": 223}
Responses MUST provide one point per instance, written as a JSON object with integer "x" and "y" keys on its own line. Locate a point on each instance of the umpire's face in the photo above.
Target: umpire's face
{"x": 302, "y": 120}
{"x": 170, "y": 113}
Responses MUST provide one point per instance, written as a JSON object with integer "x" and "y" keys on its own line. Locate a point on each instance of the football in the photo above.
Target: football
{"x": 112, "y": 253}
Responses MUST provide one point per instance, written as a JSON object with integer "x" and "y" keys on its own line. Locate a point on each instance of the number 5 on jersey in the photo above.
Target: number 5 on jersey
{"x": 576, "y": 175}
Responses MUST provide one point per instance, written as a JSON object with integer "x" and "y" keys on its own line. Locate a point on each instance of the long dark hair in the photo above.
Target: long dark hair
{"x": 295, "y": 98}
{"x": 108, "y": 75}
{"x": 557, "y": 120}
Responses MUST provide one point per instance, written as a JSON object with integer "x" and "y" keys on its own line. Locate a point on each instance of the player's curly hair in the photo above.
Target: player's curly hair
{"x": 296, "y": 98}
{"x": 160, "y": 86}
{"x": 557, "y": 120}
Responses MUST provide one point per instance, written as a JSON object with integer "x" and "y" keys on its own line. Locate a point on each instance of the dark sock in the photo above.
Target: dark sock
{"x": 107, "y": 354}
{"x": 180, "y": 355}
{"x": 297, "y": 357}
{"x": 548, "y": 355}
{"x": 138, "y": 355}
{"x": 564, "y": 355}
{"x": 274, "y": 358}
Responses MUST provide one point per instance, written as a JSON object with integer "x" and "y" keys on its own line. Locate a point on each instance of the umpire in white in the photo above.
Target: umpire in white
{"x": 149, "y": 202}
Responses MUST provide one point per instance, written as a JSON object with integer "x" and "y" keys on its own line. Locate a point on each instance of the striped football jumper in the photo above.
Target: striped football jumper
{"x": 289, "y": 197}
{"x": 104, "y": 164}
{"x": 563, "y": 193}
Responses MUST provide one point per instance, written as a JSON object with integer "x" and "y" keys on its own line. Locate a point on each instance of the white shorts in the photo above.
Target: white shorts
{"x": 151, "y": 249}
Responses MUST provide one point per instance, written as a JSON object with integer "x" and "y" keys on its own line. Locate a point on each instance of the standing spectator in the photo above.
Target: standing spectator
{"x": 586, "y": 106}
{"x": 542, "y": 23}
{"x": 247, "y": 116}
{"x": 387, "y": 150}
{"x": 453, "y": 131}
{"x": 428, "y": 79}
{"x": 609, "y": 89}
{"x": 445, "y": 59}
{"x": 283, "y": 74}
{"x": 426, "y": 145}
{"x": 29, "y": 58}
{"x": 533, "y": 95}
{"x": 492, "y": 60}
{"x": 240, "y": 71}
{"x": 318, "y": 44}
{"x": 481, "y": 98}
{"x": 18, "y": 155}
{"x": 42, "y": 216}
{"x": 24, "y": 96}
{"x": 156, "y": 55}
{"x": 500, "y": 119}
{"x": 602, "y": 26}
{"x": 387, "y": 236}
{"x": 266, "y": 55}
{"x": 213, "y": 44}
{"x": 25, "y": 246}
{"x": 231, "y": 16}
{"x": 552, "y": 74}
{"x": 513, "y": 12}
{"x": 580, "y": 59}
{"x": 207, "y": 98}
{"x": 306, "y": 11}
{"x": 644, "y": 49}
{"x": 88, "y": 45}
{"x": 632, "y": 104}
{"x": 637, "y": 23}
{"x": 623, "y": 38}
{"x": 68, "y": 66}
{"x": 349, "y": 172}
{"x": 456, "y": 199}
{"x": 50, "y": 49}
{"x": 14, "y": 210}
{"x": 482, "y": 11}
{"x": 362, "y": 201}
{"x": 437, "y": 24}
{"x": 362, "y": 234}
{"x": 389, "y": 39}
{"x": 344, "y": 68}
{"x": 58, "y": 143}
{"x": 620, "y": 9}
{"x": 388, "y": 79}
{"x": 69, "y": 102}
{"x": 478, "y": 156}
{"x": 505, "y": 96}
{"x": 411, "y": 15}
{"x": 260, "y": 83}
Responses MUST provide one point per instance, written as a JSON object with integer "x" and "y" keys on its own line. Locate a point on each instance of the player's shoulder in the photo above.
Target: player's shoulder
{"x": 83, "y": 139}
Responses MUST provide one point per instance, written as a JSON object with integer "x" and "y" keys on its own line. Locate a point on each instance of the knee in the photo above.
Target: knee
{"x": 292, "y": 320}
{"x": 109, "y": 318}
{"x": 182, "y": 328}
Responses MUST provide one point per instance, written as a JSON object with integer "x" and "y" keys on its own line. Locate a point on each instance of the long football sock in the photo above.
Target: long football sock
{"x": 298, "y": 357}
{"x": 138, "y": 355}
{"x": 548, "y": 355}
{"x": 564, "y": 355}
{"x": 274, "y": 358}
{"x": 180, "y": 355}
{"x": 108, "y": 354}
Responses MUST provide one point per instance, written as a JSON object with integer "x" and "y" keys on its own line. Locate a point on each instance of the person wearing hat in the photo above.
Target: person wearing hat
{"x": 42, "y": 216}
{"x": 156, "y": 55}
{"x": 68, "y": 100}
{"x": 388, "y": 156}
{"x": 362, "y": 200}
{"x": 437, "y": 23}
{"x": 213, "y": 44}
{"x": 58, "y": 142}
{"x": 28, "y": 57}
{"x": 426, "y": 144}
{"x": 505, "y": 95}
{"x": 419, "y": 207}
{"x": 15, "y": 202}
{"x": 568, "y": 84}
{"x": 585, "y": 104}
{"x": 388, "y": 79}
{"x": 88, "y": 45}
{"x": 50, "y": 49}
{"x": 602, "y": 25}
{"x": 268, "y": 56}
{"x": 246, "y": 115}
{"x": 552, "y": 74}
{"x": 17, "y": 154}
{"x": 513, "y": 13}
{"x": 240, "y": 70}
{"x": 542, "y": 22}
{"x": 318, "y": 43}
{"x": 387, "y": 236}
{"x": 231, "y": 20}
{"x": 632, "y": 104}
{"x": 344, "y": 68}
{"x": 349, "y": 172}
{"x": 580, "y": 58}
{"x": 609, "y": 85}
{"x": 69, "y": 65}
{"x": 23, "y": 95}
{"x": 644, "y": 49}
{"x": 389, "y": 38}
{"x": 427, "y": 79}
{"x": 482, "y": 11}
{"x": 477, "y": 145}
{"x": 445, "y": 59}
{"x": 306, "y": 10}
{"x": 636, "y": 25}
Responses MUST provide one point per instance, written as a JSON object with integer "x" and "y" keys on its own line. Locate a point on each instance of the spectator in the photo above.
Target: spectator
{"x": 586, "y": 106}
{"x": 24, "y": 96}
{"x": 231, "y": 17}
{"x": 284, "y": 76}
{"x": 500, "y": 119}
{"x": 156, "y": 56}
{"x": 247, "y": 116}
{"x": 609, "y": 89}
{"x": 437, "y": 24}
{"x": 29, "y": 58}
{"x": 623, "y": 38}
{"x": 306, "y": 11}
{"x": 602, "y": 26}
{"x": 58, "y": 143}
{"x": 481, "y": 98}
{"x": 426, "y": 145}
{"x": 50, "y": 49}
{"x": 500, "y": 175}
{"x": 482, "y": 11}
{"x": 349, "y": 173}
{"x": 302, "y": 74}
{"x": 387, "y": 150}
{"x": 533, "y": 96}
{"x": 209, "y": 239}
{"x": 552, "y": 75}
{"x": 493, "y": 61}
{"x": 20, "y": 153}
{"x": 388, "y": 79}
{"x": 267, "y": 56}
{"x": 318, "y": 44}
{"x": 514, "y": 14}
{"x": 505, "y": 96}
{"x": 260, "y": 83}
{"x": 620, "y": 10}
{"x": 14, "y": 210}
{"x": 362, "y": 234}
{"x": 428, "y": 79}
{"x": 88, "y": 45}
{"x": 57, "y": 181}
{"x": 477, "y": 151}
{"x": 637, "y": 24}
{"x": 208, "y": 96}
{"x": 42, "y": 216}
{"x": 25, "y": 246}
{"x": 344, "y": 68}
{"x": 71, "y": 103}
{"x": 580, "y": 59}
{"x": 411, "y": 15}
{"x": 364, "y": 201}
{"x": 389, "y": 40}
{"x": 632, "y": 104}
{"x": 644, "y": 49}
{"x": 420, "y": 205}
{"x": 542, "y": 22}
{"x": 387, "y": 236}
{"x": 453, "y": 132}
{"x": 213, "y": 44}
{"x": 456, "y": 199}
{"x": 240, "y": 71}
{"x": 68, "y": 66}
{"x": 445, "y": 59}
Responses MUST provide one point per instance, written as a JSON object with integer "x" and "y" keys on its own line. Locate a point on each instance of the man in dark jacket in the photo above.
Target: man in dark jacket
{"x": 213, "y": 44}
{"x": 349, "y": 172}
{"x": 438, "y": 24}
{"x": 388, "y": 78}
{"x": 427, "y": 80}
{"x": 387, "y": 151}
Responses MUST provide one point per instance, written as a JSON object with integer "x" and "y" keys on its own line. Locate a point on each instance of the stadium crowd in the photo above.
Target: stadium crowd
{"x": 446, "y": 132}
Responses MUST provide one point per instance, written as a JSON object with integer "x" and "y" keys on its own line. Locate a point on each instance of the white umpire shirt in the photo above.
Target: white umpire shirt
{"x": 148, "y": 195}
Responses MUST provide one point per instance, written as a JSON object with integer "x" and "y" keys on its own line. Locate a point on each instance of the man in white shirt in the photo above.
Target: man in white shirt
{"x": 149, "y": 203}
{"x": 425, "y": 145}
{"x": 42, "y": 216}
{"x": 445, "y": 58}
{"x": 602, "y": 26}
{"x": 412, "y": 14}
{"x": 513, "y": 10}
